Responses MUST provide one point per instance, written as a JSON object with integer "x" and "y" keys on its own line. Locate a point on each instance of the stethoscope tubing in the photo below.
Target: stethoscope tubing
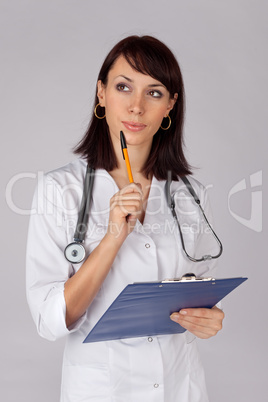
{"x": 171, "y": 204}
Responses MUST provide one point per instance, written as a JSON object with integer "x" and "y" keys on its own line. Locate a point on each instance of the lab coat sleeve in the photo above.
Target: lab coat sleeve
{"x": 47, "y": 270}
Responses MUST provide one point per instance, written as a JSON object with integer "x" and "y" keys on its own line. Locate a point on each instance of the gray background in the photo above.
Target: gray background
{"x": 51, "y": 52}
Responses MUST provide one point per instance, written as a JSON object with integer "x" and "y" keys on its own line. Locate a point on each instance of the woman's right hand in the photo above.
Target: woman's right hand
{"x": 125, "y": 208}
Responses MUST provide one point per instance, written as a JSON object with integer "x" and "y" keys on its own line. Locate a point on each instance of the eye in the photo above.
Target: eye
{"x": 155, "y": 94}
{"x": 122, "y": 87}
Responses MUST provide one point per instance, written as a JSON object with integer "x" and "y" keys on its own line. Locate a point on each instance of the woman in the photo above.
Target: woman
{"x": 130, "y": 236}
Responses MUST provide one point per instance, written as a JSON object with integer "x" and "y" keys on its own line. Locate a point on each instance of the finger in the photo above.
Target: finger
{"x": 206, "y": 323}
{"x": 202, "y": 335}
{"x": 126, "y": 209}
{"x": 202, "y": 324}
{"x": 127, "y": 196}
{"x": 123, "y": 203}
{"x": 202, "y": 315}
{"x": 213, "y": 313}
{"x": 121, "y": 200}
{"x": 201, "y": 331}
{"x": 126, "y": 202}
{"x": 132, "y": 187}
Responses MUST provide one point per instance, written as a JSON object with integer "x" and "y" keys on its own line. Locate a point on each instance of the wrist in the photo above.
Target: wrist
{"x": 112, "y": 242}
{"x": 117, "y": 232}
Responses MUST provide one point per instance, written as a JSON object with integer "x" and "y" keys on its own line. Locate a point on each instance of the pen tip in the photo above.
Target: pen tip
{"x": 123, "y": 140}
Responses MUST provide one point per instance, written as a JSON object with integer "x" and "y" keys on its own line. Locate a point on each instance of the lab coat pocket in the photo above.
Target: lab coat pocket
{"x": 84, "y": 383}
{"x": 194, "y": 360}
{"x": 197, "y": 383}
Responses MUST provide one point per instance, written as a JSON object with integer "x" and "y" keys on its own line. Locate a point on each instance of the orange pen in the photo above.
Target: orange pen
{"x": 125, "y": 156}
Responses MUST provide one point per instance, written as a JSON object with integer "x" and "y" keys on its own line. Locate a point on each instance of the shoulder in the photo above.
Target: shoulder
{"x": 71, "y": 173}
{"x": 54, "y": 185}
{"x": 197, "y": 185}
{"x": 179, "y": 185}
{"x": 180, "y": 188}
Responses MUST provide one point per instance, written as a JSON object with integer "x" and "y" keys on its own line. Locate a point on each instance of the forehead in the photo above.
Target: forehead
{"x": 122, "y": 68}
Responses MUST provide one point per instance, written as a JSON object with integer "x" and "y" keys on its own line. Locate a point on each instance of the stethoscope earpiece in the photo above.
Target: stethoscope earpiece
{"x": 75, "y": 252}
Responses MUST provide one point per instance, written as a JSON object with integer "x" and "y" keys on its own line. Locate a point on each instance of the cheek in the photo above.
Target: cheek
{"x": 158, "y": 116}
{"x": 155, "y": 125}
{"x": 113, "y": 106}
{"x": 113, "y": 112}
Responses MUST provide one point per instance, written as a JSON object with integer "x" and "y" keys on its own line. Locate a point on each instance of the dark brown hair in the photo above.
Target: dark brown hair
{"x": 149, "y": 56}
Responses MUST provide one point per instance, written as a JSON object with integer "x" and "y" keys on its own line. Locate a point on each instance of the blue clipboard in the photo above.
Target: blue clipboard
{"x": 143, "y": 309}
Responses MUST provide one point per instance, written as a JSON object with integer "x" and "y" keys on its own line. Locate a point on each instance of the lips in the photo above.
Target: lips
{"x": 133, "y": 126}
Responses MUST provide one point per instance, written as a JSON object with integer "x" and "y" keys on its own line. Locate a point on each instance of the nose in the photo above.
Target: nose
{"x": 136, "y": 105}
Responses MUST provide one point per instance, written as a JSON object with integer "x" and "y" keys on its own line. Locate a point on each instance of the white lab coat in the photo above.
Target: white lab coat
{"x": 152, "y": 369}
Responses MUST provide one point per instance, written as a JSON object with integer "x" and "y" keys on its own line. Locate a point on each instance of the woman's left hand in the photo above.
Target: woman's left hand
{"x": 202, "y": 322}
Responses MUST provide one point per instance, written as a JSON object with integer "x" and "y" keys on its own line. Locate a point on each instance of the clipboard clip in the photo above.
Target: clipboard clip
{"x": 189, "y": 277}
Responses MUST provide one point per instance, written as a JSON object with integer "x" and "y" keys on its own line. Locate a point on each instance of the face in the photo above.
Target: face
{"x": 134, "y": 103}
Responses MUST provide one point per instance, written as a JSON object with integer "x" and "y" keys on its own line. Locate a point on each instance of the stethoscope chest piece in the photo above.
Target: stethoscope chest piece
{"x": 75, "y": 252}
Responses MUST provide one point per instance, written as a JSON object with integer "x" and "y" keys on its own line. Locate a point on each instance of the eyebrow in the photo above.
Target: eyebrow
{"x": 130, "y": 80}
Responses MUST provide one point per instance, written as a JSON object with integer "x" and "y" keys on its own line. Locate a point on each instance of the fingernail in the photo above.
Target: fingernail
{"x": 183, "y": 312}
{"x": 174, "y": 316}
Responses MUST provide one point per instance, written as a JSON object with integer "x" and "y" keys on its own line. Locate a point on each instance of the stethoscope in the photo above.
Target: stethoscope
{"x": 75, "y": 252}
{"x": 171, "y": 204}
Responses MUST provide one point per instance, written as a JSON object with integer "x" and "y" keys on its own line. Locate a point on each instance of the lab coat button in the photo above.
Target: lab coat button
{"x": 147, "y": 245}
{"x": 150, "y": 339}
{"x": 156, "y": 385}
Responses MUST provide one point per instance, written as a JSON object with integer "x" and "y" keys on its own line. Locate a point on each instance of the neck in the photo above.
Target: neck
{"x": 137, "y": 158}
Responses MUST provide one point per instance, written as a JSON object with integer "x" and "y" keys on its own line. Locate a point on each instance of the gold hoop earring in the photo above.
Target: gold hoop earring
{"x": 95, "y": 112}
{"x": 169, "y": 124}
